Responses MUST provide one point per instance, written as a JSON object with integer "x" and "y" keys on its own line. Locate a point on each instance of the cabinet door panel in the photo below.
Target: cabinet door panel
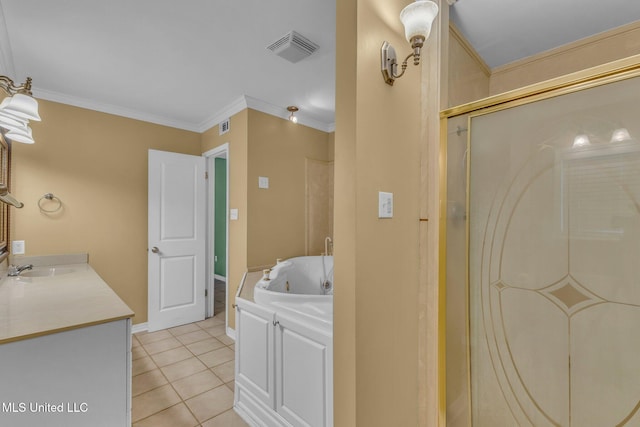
{"x": 304, "y": 369}
{"x": 254, "y": 354}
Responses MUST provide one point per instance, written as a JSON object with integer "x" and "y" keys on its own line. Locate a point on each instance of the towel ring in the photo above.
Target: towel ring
{"x": 50, "y": 196}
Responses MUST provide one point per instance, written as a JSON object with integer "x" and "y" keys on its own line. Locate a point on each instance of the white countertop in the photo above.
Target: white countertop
{"x": 42, "y": 305}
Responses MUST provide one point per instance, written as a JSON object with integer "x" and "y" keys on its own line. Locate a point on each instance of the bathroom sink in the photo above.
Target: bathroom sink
{"x": 46, "y": 272}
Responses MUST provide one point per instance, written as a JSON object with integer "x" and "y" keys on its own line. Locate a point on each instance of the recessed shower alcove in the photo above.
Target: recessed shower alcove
{"x": 542, "y": 249}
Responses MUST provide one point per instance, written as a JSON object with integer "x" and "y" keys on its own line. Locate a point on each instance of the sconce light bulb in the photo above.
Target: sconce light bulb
{"x": 620, "y": 135}
{"x": 581, "y": 141}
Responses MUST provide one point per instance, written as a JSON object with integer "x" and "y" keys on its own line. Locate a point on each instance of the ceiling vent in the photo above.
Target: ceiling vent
{"x": 293, "y": 47}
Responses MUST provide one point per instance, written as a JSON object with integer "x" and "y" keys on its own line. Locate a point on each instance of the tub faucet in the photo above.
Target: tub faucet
{"x": 16, "y": 270}
{"x": 328, "y": 246}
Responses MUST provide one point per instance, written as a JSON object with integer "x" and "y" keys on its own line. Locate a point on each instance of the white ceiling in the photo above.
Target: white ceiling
{"x": 179, "y": 63}
{"x": 503, "y": 31}
{"x": 191, "y": 63}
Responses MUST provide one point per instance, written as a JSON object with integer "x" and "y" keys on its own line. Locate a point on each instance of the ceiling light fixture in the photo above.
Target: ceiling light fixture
{"x": 17, "y": 109}
{"x": 292, "y": 117}
{"x": 417, "y": 19}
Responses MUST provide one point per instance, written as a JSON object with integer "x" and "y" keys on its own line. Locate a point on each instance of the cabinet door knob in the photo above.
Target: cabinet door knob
{"x": 155, "y": 250}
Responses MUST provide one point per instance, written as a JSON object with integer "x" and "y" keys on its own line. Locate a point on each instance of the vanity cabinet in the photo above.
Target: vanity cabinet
{"x": 284, "y": 369}
{"x": 80, "y": 377}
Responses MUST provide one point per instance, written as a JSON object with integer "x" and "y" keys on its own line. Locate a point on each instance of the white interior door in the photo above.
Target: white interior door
{"x": 177, "y": 236}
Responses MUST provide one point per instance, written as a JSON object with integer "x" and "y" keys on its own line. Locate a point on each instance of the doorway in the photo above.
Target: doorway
{"x": 217, "y": 161}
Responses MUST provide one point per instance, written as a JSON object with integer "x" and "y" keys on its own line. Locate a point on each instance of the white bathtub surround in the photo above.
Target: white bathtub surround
{"x": 284, "y": 350}
{"x": 65, "y": 346}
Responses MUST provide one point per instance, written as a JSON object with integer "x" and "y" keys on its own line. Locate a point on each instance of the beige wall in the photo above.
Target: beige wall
{"x": 237, "y": 137}
{"x": 377, "y": 148}
{"x": 271, "y": 222}
{"x": 468, "y": 77}
{"x": 589, "y": 52}
{"x": 96, "y": 164}
{"x": 277, "y": 150}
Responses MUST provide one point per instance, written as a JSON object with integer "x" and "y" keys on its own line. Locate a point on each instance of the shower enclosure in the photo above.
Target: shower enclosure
{"x": 543, "y": 256}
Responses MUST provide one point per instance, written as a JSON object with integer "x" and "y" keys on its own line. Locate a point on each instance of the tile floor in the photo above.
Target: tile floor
{"x": 184, "y": 377}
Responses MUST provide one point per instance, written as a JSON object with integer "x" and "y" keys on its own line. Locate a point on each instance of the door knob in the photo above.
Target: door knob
{"x": 155, "y": 250}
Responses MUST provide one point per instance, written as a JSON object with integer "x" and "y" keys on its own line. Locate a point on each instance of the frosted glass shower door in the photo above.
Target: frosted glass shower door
{"x": 554, "y": 261}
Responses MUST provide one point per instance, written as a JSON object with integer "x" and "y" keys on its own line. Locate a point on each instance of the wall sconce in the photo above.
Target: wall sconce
{"x": 292, "y": 117}
{"x": 17, "y": 109}
{"x": 417, "y": 19}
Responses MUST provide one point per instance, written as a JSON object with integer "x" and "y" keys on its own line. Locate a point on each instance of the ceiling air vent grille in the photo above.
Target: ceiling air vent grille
{"x": 293, "y": 47}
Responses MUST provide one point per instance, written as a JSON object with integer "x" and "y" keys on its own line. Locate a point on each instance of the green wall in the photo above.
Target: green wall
{"x": 220, "y": 225}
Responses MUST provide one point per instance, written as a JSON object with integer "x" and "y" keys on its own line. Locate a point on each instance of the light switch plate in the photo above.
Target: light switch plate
{"x": 233, "y": 214}
{"x": 385, "y": 205}
{"x": 17, "y": 247}
{"x": 263, "y": 182}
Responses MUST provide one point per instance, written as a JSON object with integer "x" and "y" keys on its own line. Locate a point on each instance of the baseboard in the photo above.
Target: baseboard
{"x": 219, "y": 277}
{"x": 231, "y": 333}
{"x": 139, "y": 327}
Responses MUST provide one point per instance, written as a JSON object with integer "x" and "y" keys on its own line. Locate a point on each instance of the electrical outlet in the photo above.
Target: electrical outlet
{"x": 17, "y": 247}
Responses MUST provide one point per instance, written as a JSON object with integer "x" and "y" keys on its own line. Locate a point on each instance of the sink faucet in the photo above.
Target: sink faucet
{"x": 16, "y": 270}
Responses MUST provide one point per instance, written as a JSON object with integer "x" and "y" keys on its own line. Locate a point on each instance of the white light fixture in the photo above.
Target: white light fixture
{"x": 22, "y": 106}
{"x": 620, "y": 135}
{"x": 20, "y": 135}
{"x": 581, "y": 140}
{"x": 417, "y": 19}
{"x": 17, "y": 109}
{"x": 292, "y": 117}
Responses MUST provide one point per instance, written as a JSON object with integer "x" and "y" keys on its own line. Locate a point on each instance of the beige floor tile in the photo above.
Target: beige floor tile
{"x": 227, "y": 419}
{"x": 149, "y": 337}
{"x": 225, "y": 339}
{"x": 171, "y": 356}
{"x": 210, "y": 322}
{"x": 192, "y": 337}
{"x": 147, "y": 381}
{"x": 134, "y": 342}
{"x": 231, "y": 385}
{"x": 153, "y": 401}
{"x": 162, "y": 345}
{"x": 141, "y": 365}
{"x": 183, "y": 369}
{"x": 211, "y": 403}
{"x": 175, "y": 416}
{"x": 226, "y": 371}
{"x": 216, "y": 331}
{"x": 217, "y": 357}
{"x": 195, "y": 384}
{"x": 205, "y": 346}
{"x": 232, "y": 347}
{"x": 138, "y": 352}
{"x": 184, "y": 329}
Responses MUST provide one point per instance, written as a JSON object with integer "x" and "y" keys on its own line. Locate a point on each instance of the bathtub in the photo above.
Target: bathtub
{"x": 296, "y": 286}
{"x": 284, "y": 346}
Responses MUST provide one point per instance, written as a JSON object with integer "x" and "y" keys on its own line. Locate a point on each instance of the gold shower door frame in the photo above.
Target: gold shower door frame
{"x": 608, "y": 73}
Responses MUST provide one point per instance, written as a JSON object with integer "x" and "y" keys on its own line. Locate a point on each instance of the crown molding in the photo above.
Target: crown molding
{"x": 235, "y": 107}
{"x": 246, "y": 101}
{"x": 113, "y": 109}
{"x": 6, "y": 54}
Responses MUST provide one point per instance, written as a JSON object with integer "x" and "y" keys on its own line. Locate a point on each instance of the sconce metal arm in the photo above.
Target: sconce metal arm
{"x": 389, "y": 61}
{"x": 9, "y": 86}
